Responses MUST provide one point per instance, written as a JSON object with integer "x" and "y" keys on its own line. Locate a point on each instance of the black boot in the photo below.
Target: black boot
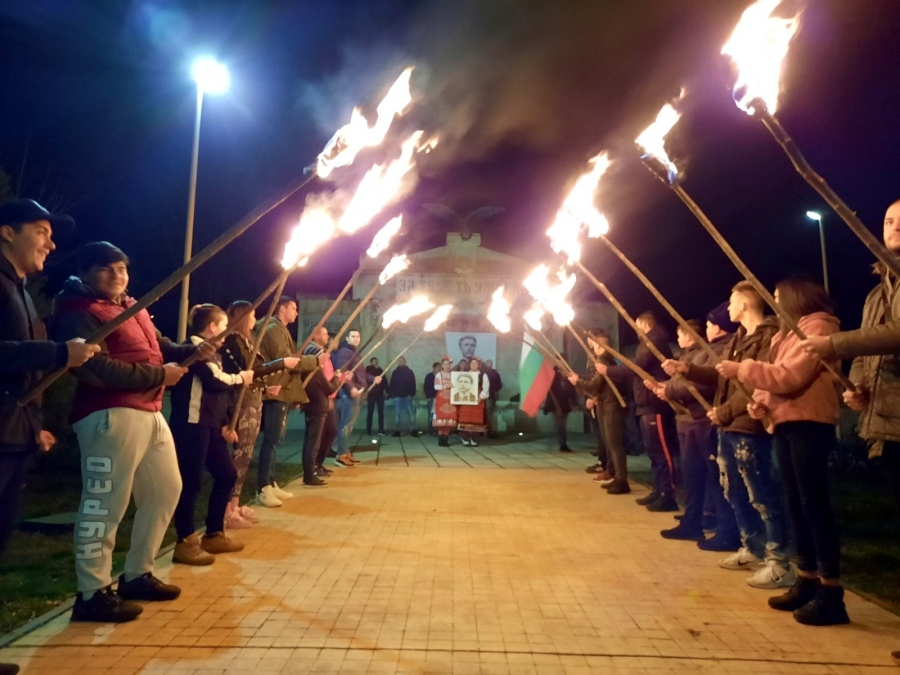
{"x": 147, "y": 587}
{"x": 825, "y": 609}
{"x": 652, "y": 497}
{"x": 802, "y": 592}
{"x": 8, "y": 669}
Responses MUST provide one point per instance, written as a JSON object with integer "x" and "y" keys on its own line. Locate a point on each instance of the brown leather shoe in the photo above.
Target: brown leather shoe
{"x": 189, "y": 552}
{"x": 218, "y": 542}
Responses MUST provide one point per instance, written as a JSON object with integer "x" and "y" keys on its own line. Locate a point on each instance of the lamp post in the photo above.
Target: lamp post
{"x": 211, "y": 77}
{"x": 815, "y": 215}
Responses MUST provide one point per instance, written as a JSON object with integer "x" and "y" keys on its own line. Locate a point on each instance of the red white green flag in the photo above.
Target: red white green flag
{"x": 535, "y": 378}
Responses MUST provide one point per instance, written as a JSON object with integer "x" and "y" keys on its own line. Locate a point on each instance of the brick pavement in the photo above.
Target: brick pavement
{"x": 503, "y": 558}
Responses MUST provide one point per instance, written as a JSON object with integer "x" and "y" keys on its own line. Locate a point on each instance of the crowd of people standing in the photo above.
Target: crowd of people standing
{"x": 753, "y": 462}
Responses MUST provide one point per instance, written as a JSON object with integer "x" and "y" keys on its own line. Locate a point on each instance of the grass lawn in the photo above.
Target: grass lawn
{"x": 37, "y": 573}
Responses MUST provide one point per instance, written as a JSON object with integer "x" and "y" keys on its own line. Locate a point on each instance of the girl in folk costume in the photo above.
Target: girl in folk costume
{"x": 235, "y": 353}
{"x": 445, "y": 412}
{"x": 472, "y": 420}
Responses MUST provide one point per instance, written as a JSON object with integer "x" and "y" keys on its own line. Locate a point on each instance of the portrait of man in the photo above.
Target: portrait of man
{"x": 463, "y": 347}
{"x": 463, "y": 389}
{"x": 468, "y": 344}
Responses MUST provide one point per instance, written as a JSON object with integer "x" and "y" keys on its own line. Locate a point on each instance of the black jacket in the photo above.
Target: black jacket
{"x": 235, "y": 353}
{"x": 403, "y": 382}
{"x": 730, "y": 403}
{"x": 496, "y": 383}
{"x": 428, "y": 386}
{"x": 319, "y": 388}
{"x": 378, "y": 390}
{"x": 205, "y": 394}
{"x": 561, "y": 399}
{"x": 25, "y": 353}
{"x": 645, "y": 401}
{"x": 594, "y": 385}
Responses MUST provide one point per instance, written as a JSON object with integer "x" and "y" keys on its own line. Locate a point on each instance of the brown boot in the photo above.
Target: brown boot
{"x": 189, "y": 552}
{"x": 217, "y": 542}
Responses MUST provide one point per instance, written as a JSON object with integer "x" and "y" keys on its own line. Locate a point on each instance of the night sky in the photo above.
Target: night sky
{"x": 97, "y": 116}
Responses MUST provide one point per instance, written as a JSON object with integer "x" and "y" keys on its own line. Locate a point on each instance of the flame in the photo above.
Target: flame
{"x": 498, "y": 313}
{"x": 383, "y": 238}
{"x": 652, "y": 139}
{"x": 533, "y": 317}
{"x": 552, "y": 296}
{"x": 758, "y": 47}
{"x": 378, "y": 188}
{"x": 396, "y": 265}
{"x": 440, "y": 316}
{"x": 557, "y": 304}
{"x": 537, "y": 283}
{"x": 403, "y": 312}
{"x": 316, "y": 227}
{"x": 578, "y": 209}
{"x": 347, "y": 141}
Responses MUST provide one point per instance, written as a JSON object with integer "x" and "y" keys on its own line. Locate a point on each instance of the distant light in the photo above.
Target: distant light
{"x": 814, "y": 215}
{"x": 521, "y": 434}
{"x": 211, "y": 76}
{"x": 374, "y": 440}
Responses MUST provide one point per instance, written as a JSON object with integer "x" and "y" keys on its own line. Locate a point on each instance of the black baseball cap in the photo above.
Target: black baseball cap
{"x": 20, "y": 211}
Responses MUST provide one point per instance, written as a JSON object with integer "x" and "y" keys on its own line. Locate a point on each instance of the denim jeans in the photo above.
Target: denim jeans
{"x": 404, "y": 404}
{"x": 752, "y": 486}
{"x": 347, "y": 410}
{"x": 275, "y": 416}
{"x": 803, "y": 449}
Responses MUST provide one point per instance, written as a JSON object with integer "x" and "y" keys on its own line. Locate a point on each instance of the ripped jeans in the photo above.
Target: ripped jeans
{"x": 752, "y": 486}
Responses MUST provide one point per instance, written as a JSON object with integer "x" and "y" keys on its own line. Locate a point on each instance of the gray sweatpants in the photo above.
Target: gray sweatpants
{"x": 124, "y": 452}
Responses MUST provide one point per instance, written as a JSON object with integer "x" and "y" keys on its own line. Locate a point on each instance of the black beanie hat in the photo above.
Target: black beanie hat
{"x": 718, "y": 316}
{"x": 99, "y": 253}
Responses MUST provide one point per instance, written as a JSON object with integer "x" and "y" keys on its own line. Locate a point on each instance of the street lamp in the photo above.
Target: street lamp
{"x": 815, "y": 215}
{"x": 211, "y": 77}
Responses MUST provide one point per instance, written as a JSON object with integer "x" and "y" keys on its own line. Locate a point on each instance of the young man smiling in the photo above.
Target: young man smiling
{"x": 126, "y": 445}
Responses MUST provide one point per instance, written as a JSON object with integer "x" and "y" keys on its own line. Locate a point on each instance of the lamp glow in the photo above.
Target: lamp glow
{"x": 211, "y": 76}
{"x": 814, "y": 215}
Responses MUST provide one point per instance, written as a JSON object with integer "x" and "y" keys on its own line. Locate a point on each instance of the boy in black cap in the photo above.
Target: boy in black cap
{"x": 26, "y": 231}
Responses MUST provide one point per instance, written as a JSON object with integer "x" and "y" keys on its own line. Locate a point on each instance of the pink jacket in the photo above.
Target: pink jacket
{"x": 793, "y": 386}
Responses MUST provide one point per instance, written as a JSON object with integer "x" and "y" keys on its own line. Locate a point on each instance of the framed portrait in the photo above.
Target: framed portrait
{"x": 464, "y": 390}
{"x": 465, "y": 346}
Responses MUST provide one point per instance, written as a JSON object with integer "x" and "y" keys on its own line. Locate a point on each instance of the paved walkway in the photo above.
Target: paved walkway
{"x": 496, "y": 559}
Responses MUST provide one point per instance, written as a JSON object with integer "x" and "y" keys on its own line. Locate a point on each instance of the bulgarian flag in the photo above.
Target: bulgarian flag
{"x": 535, "y": 378}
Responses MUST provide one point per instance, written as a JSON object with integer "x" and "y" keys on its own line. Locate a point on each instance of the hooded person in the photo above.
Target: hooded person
{"x": 125, "y": 442}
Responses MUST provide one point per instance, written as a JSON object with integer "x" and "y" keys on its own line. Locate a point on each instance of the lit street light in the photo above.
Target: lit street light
{"x": 815, "y": 215}
{"x": 212, "y": 78}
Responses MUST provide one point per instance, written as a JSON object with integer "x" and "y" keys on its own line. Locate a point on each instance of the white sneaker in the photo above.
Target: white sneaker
{"x": 742, "y": 560}
{"x": 266, "y": 497}
{"x": 281, "y": 494}
{"x": 473, "y": 443}
{"x": 773, "y": 575}
{"x": 465, "y": 441}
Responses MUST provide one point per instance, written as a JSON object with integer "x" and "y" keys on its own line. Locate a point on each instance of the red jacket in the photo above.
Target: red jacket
{"x": 128, "y": 371}
{"x": 794, "y": 386}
